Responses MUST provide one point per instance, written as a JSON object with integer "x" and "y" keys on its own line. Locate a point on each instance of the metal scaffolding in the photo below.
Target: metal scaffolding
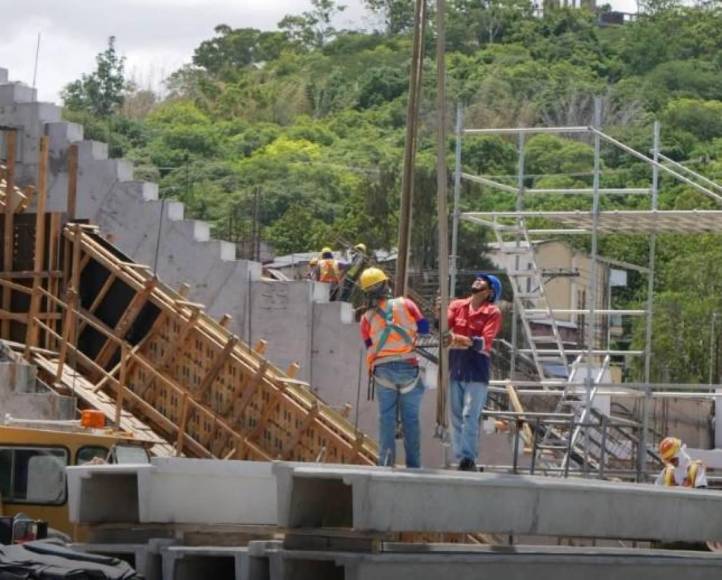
{"x": 517, "y": 236}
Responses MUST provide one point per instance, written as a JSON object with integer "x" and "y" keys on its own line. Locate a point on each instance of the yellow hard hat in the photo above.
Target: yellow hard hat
{"x": 669, "y": 448}
{"x": 360, "y": 247}
{"x": 371, "y": 277}
{"x": 313, "y": 261}
{"x": 326, "y": 250}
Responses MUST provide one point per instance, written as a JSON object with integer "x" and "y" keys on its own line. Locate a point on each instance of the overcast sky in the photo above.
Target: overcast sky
{"x": 156, "y": 36}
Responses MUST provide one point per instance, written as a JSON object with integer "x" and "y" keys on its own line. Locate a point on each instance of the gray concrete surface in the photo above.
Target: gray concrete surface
{"x": 387, "y": 500}
{"x": 144, "y": 558}
{"x": 433, "y": 562}
{"x": 173, "y": 490}
{"x": 23, "y": 397}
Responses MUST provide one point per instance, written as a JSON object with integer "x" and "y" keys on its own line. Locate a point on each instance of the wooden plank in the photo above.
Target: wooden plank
{"x": 225, "y": 320}
{"x": 239, "y": 406}
{"x": 31, "y": 335}
{"x": 72, "y": 181}
{"x": 8, "y": 221}
{"x": 519, "y": 408}
{"x": 28, "y": 275}
{"x": 99, "y": 297}
{"x": 182, "y": 425}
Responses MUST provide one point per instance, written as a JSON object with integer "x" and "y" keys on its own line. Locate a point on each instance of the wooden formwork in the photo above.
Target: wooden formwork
{"x": 85, "y": 309}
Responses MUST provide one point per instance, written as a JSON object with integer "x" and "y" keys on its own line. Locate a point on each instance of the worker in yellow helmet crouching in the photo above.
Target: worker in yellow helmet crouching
{"x": 679, "y": 468}
{"x": 389, "y": 328}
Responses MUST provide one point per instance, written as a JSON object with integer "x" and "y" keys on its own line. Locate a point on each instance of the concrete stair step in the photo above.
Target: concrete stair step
{"x": 141, "y": 190}
{"x": 226, "y": 250}
{"x": 62, "y": 133}
{"x": 92, "y": 151}
{"x": 197, "y": 229}
{"x": 12, "y": 93}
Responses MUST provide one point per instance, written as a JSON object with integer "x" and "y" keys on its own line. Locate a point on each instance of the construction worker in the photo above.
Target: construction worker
{"x": 389, "y": 328}
{"x": 359, "y": 262}
{"x": 473, "y": 324}
{"x": 679, "y": 468}
{"x": 312, "y": 269}
{"x": 330, "y": 270}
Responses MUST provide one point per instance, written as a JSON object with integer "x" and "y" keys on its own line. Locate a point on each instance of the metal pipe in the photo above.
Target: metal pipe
{"x": 699, "y": 176}
{"x": 517, "y": 130}
{"x": 650, "y": 305}
{"x": 590, "y": 191}
{"x": 519, "y": 207}
{"x": 655, "y": 163}
{"x": 489, "y": 182}
{"x": 457, "y": 198}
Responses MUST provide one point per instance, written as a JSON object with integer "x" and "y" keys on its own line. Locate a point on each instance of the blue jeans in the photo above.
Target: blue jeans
{"x": 393, "y": 403}
{"x": 467, "y": 401}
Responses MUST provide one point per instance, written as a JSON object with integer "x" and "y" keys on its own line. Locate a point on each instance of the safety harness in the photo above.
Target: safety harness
{"x": 689, "y": 480}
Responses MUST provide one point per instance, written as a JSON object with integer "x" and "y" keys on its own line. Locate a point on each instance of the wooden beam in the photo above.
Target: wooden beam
{"x": 260, "y": 346}
{"x": 519, "y": 408}
{"x": 239, "y": 405}
{"x": 28, "y": 274}
{"x": 225, "y": 320}
{"x": 99, "y": 297}
{"x": 8, "y": 222}
{"x": 182, "y": 425}
{"x": 72, "y": 181}
{"x": 124, "y": 323}
{"x": 31, "y": 335}
{"x": 68, "y": 331}
{"x": 122, "y": 387}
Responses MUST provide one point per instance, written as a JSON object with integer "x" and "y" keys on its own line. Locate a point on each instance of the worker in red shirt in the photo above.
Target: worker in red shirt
{"x": 389, "y": 328}
{"x": 473, "y": 324}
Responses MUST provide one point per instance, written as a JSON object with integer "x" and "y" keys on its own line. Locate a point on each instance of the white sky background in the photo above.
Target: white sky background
{"x": 156, "y": 36}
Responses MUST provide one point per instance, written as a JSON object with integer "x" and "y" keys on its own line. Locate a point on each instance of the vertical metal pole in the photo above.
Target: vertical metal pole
{"x": 602, "y": 454}
{"x": 515, "y": 451}
{"x": 442, "y": 215}
{"x": 712, "y": 342}
{"x": 642, "y": 458}
{"x": 535, "y": 446}
{"x": 457, "y": 197}
{"x": 591, "y": 326}
{"x": 519, "y": 207}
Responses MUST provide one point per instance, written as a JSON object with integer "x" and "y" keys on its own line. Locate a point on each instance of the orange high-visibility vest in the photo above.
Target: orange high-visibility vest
{"x": 689, "y": 480}
{"x": 328, "y": 271}
{"x": 392, "y": 332}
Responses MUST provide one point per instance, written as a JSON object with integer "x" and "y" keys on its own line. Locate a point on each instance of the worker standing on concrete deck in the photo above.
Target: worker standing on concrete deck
{"x": 473, "y": 324}
{"x": 330, "y": 270}
{"x": 389, "y": 328}
{"x": 359, "y": 262}
{"x": 679, "y": 468}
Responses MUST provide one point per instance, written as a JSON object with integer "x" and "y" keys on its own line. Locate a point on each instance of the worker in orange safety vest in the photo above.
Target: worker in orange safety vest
{"x": 388, "y": 329}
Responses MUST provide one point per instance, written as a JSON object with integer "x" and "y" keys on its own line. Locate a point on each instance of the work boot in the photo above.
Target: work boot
{"x": 467, "y": 464}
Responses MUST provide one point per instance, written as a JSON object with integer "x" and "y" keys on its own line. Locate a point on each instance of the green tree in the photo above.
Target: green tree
{"x": 398, "y": 15}
{"x": 314, "y": 28}
{"x": 101, "y": 92}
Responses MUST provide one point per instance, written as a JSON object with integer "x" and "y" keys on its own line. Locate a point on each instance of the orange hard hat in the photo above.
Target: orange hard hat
{"x": 669, "y": 448}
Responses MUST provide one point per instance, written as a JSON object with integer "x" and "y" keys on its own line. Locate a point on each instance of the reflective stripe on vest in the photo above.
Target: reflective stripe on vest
{"x": 328, "y": 271}
{"x": 392, "y": 332}
{"x": 689, "y": 480}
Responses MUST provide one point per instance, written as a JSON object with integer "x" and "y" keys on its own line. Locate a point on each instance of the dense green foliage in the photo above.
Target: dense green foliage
{"x": 310, "y": 121}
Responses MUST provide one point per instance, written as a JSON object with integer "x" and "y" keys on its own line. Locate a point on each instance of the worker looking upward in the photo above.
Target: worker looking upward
{"x": 389, "y": 328}
{"x": 473, "y": 324}
{"x": 679, "y": 468}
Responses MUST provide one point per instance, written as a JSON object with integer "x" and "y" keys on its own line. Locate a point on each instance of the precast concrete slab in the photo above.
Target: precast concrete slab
{"x": 174, "y": 490}
{"x": 377, "y": 499}
{"x": 144, "y": 558}
{"x": 432, "y": 562}
{"x": 205, "y": 562}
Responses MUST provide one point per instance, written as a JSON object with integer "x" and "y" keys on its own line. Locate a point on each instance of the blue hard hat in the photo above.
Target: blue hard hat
{"x": 494, "y": 284}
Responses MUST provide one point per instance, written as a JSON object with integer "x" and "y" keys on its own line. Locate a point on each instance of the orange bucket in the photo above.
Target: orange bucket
{"x": 92, "y": 419}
